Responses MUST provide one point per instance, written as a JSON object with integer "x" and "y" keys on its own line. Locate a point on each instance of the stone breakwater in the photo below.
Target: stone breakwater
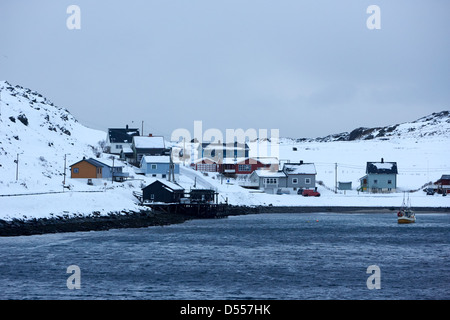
{"x": 146, "y": 218}
{"x": 116, "y": 220}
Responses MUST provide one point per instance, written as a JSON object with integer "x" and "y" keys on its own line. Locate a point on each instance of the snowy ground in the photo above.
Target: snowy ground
{"x": 42, "y": 136}
{"x": 418, "y": 163}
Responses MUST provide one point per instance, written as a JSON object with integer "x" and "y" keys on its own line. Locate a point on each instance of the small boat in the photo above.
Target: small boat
{"x": 406, "y": 214}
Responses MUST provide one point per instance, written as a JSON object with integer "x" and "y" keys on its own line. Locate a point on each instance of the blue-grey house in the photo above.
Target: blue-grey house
{"x": 380, "y": 177}
{"x": 158, "y": 166}
{"x": 294, "y": 176}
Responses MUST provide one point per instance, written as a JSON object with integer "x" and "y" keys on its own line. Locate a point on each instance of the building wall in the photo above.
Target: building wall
{"x": 305, "y": 181}
{"x": 117, "y": 147}
{"x": 265, "y": 183}
{"x": 157, "y": 193}
{"x": 380, "y": 182}
{"x": 85, "y": 170}
{"x": 218, "y": 153}
{"x": 161, "y": 171}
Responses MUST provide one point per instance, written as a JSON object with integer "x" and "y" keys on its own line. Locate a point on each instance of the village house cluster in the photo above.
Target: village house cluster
{"x": 150, "y": 157}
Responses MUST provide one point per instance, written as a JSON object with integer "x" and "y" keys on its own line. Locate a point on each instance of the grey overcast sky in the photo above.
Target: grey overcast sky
{"x": 306, "y": 67}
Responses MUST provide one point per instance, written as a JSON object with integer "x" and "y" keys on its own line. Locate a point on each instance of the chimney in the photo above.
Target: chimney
{"x": 382, "y": 160}
{"x": 150, "y": 135}
{"x": 126, "y": 127}
{"x": 301, "y": 161}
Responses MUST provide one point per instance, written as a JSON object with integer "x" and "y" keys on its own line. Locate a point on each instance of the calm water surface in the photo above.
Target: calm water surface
{"x": 267, "y": 256}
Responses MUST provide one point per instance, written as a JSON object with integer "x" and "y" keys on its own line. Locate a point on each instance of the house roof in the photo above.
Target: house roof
{"x": 127, "y": 150}
{"x": 94, "y": 162}
{"x": 122, "y": 135}
{"x": 299, "y": 168}
{"x": 156, "y": 159}
{"x": 268, "y": 160}
{"x": 381, "y": 168}
{"x": 445, "y": 177}
{"x": 227, "y": 146}
{"x": 153, "y": 142}
{"x": 239, "y": 160}
{"x": 262, "y": 173}
{"x": 205, "y": 160}
{"x": 99, "y": 164}
{"x": 167, "y": 184}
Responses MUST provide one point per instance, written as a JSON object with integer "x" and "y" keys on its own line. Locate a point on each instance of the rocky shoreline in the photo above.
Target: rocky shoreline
{"x": 116, "y": 220}
{"x": 143, "y": 219}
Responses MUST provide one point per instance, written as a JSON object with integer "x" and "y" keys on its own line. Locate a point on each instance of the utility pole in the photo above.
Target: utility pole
{"x": 64, "y": 181}
{"x": 112, "y": 174}
{"x": 142, "y": 126}
{"x": 17, "y": 167}
{"x": 335, "y": 177}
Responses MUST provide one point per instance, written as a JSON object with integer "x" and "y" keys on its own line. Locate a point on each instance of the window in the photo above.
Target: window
{"x": 245, "y": 167}
{"x": 154, "y": 166}
{"x": 307, "y": 180}
{"x": 270, "y": 180}
{"x": 76, "y": 170}
{"x": 118, "y": 146}
{"x": 294, "y": 180}
{"x": 163, "y": 176}
{"x": 375, "y": 181}
{"x": 389, "y": 181}
{"x": 152, "y": 197}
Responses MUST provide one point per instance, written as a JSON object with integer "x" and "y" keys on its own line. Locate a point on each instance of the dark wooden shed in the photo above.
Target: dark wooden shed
{"x": 163, "y": 191}
{"x": 202, "y": 195}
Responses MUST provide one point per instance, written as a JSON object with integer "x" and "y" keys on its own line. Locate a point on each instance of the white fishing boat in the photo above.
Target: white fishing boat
{"x": 406, "y": 214}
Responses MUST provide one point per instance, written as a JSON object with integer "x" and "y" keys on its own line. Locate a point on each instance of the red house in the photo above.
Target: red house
{"x": 231, "y": 166}
{"x": 205, "y": 165}
{"x": 443, "y": 183}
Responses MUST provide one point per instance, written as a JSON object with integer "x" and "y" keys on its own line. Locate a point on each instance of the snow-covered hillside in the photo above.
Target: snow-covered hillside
{"x": 434, "y": 125}
{"x": 41, "y": 135}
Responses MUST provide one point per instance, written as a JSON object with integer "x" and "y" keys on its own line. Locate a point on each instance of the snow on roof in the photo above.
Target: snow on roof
{"x": 233, "y": 160}
{"x": 127, "y": 149}
{"x": 382, "y": 167}
{"x": 225, "y": 146}
{"x": 262, "y": 173}
{"x": 169, "y": 184}
{"x": 299, "y": 168}
{"x": 268, "y": 160}
{"x": 149, "y": 142}
{"x": 156, "y": 159}
{"x": 205, "y": 159}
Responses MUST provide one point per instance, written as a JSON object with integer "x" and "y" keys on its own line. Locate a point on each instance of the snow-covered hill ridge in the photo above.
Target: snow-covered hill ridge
{"x": 433, "y": 125}
{"x": 40, "y": 135}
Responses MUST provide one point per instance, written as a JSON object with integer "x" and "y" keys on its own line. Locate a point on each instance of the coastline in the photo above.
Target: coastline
{"x": 118, "y": 220}
{"x": 143, "y": 219}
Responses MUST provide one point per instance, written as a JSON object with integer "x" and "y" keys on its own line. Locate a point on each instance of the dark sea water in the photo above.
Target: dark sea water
{"x": 267, "y": 256}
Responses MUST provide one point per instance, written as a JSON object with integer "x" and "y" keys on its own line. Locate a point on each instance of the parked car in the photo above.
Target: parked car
{"x": 310, "y": 193}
